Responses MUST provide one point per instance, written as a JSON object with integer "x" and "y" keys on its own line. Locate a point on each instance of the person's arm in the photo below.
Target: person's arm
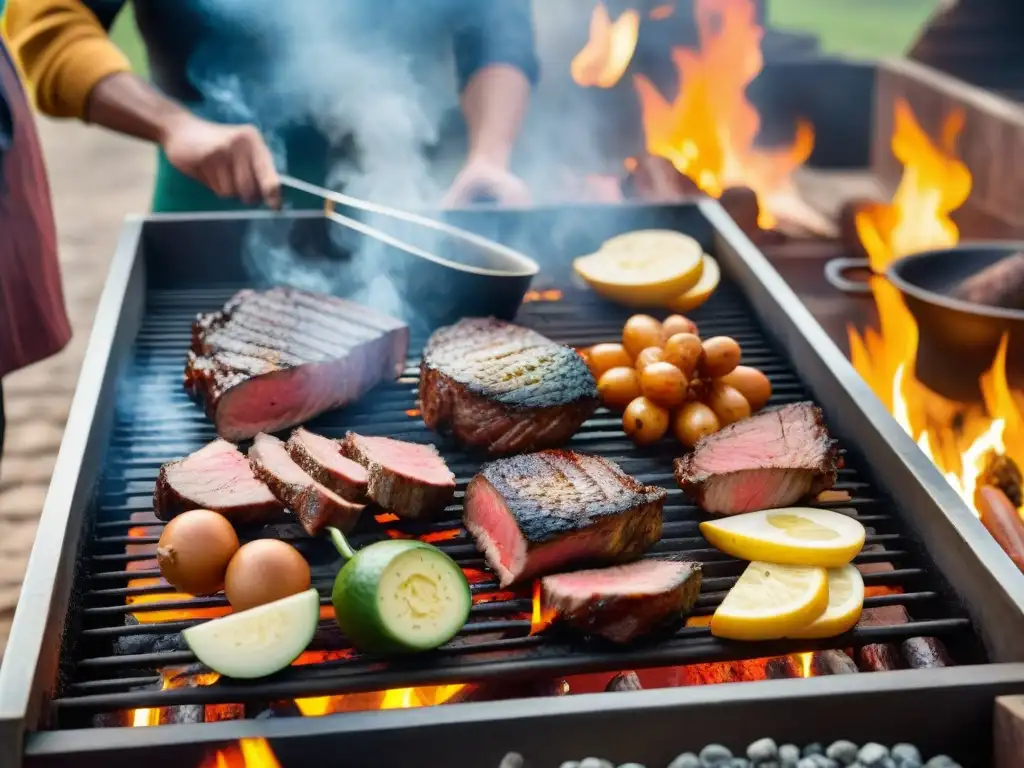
{"x": 76, "y": 71}
{"x": 497, "y": 67}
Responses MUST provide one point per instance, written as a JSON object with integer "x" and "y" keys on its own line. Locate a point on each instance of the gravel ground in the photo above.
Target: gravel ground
{"x": 96, "y": 179}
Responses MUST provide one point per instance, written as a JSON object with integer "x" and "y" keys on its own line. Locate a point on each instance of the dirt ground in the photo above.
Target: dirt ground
{"x": 96, "y": 179}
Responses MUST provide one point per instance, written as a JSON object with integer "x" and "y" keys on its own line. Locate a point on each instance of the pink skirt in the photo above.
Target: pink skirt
{"x": 33, "y": 320}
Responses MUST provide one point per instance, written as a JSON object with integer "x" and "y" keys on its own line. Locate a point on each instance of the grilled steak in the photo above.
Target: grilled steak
{"x": 314, "y": 505}
{"x": 503, "y": 388}
{"x": 626, "y": 601}
{"x": 321, "y": 459}
{"x": 773, "y": 459}
{"x": 216, "y": 477}
{"x": 272, "y": 359}
{"x": 545, "y": 512}
{"x": 409, "y": 479}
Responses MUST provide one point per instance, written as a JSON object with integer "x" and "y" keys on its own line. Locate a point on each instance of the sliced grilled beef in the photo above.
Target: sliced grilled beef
{"x": 626, "y": 601}
{"x": 216, "y": 477}
{"x": 272, "y": 359}
{"x": 503, "y": 388}
{"x": 545, "y": 512}
{"x": 773, "y": 459}
{"x": 314, "y": 505}
{"x": 321, "y": 459}
{"x": 408, "y": 479}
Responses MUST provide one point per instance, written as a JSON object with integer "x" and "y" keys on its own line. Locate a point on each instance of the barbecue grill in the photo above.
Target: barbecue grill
{"x": 80, "y": 656}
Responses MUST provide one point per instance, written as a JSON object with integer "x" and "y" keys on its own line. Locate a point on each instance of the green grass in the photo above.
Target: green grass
{"x": 855, "y": 27}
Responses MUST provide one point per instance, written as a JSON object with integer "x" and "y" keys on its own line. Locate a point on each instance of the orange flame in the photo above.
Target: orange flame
{"x": 956, "y": 436}
{"x": 552, "y": 294}
{"x": 608, "y": 51}
{"x": 248, "y": 753}
{"x": 708, "y": 130}
{"x": 170, "y": 679}
{"x": 395, "y": 698}
{"x": 542, "y": 617}
{"x": 934, "y": 184}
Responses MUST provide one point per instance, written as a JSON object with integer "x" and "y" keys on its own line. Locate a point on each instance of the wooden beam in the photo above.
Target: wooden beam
{"x": 991, "y": 144}
{"x": 1008, "y": 732}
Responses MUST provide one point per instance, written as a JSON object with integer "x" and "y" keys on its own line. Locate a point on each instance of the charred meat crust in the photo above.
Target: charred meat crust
{"x": 538, "y": 492}
{"x": 503, "y": 388}
{"x": 390, "y": 488}
{"x": 347, "y": 488}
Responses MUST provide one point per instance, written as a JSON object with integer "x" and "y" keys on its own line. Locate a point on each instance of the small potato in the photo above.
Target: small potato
{"x": 618, "y": 387}
{"x": 727, "y": 403}
{"x": 649, "y": 356}
{"x": 604, "y": 357}
{"x": 751, "y": 383}
{"x": 645, "y": 422}
{"x": 664, "y": 384}
{"x": 684, "y": 351}
{"x": 640, "y": 332}
{"x": 674, "y": 324}
{"x": 694, "y": 421}
{"x": 721, "y": 356}
{"x": 698, "y": 388}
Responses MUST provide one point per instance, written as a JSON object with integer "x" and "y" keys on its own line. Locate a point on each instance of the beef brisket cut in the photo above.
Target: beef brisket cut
{"x": 272, "y": 359}
{"x": 774, "y": 459}
{"x": 503, "y": 388}
{"x": 408, "y": 479}
{"x": 314, "y": 505}
{"x": 546, "y": 512}
{"x": 321, "y": 459}
{"x": 216, "y": 477}
{"x": 626, "y": 601}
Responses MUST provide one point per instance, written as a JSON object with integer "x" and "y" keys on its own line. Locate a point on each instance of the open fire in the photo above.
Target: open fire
{"x": 962, "y": 439}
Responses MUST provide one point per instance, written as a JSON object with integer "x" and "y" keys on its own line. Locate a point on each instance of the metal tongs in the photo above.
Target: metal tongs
{"x": 498, "y": 253}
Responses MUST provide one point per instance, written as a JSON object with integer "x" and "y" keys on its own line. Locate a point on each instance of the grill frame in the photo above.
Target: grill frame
{"x": 986, "y": 580}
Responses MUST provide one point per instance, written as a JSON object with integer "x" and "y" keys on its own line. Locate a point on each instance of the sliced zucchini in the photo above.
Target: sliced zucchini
{"x": 260, "y": 641}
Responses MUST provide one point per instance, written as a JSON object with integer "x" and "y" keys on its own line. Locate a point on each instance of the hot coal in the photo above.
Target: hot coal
{"x": 314, "y": 505}
{"x": 546, "y": 512}
{"x": 833, "y": 662}
{"x": 216, "y": 477}
{"x": 925, "y": 653}
{"x": 626, "y": 601}
{"x": 774, "y": 459}
{"x": 273, "y": 359}
{"x": 503, "y": 388}
{"x": 156, "y": 642}
{"x": 408, "y": 479}
{"x": 624, "y": 681}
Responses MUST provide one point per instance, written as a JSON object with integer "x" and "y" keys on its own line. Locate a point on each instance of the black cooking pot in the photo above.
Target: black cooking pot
{"x": 958, "y": 340}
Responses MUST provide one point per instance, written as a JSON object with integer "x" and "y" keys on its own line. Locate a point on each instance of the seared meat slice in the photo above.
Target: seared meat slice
{"x": 626, "y": 601}
{"x": 408, "y": 479}
{"x": 773, "y": 459}
{"x": 273, "y": 359}
{"x": 314, "y": 505}
{"x": 545, "y": 512}
{"x": 321, "y": 459}
{"x": 503, "y": 388}
{"x": 216, "y": 477}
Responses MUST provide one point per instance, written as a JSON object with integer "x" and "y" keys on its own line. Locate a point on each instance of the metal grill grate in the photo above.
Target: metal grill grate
{"x": 113, "y": 662}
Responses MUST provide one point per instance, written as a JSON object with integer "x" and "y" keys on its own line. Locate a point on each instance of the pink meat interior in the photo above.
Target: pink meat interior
{"x": 644, "y": 576}
{"x": 219, "y": 473}
{"x": 327, "y": 453}
{"x": 271, "y": 452}
{"x": 760, "y": 442}
{"x": 414, "y": 462}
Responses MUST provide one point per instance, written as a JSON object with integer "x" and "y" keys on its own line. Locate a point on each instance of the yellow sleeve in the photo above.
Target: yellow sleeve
{"x": 63, "y": 52}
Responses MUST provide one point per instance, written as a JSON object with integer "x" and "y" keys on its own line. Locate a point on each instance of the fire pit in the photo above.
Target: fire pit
{"x": 96, "y": 635}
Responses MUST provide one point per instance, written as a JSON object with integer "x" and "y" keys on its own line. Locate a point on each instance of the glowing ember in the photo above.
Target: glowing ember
{"x": 707, "y": 131}
{"x": 541, "y": 618}
{"x": 551, "y": 294}
{"x": 661, "y": 12}
{"x": 413, "y": 413}
{"x": 934, "y": 184}
{"x": 451, "y": 533}
{"x": 805, "y": 663}
{"x": 955, "y": 436}
{"x": 396, "y": 698}
{"x": 605, "y": 57}
{"x": 171, "y": 679}
{"x": 248, "y": 753}
{"x": 386, "y": 517}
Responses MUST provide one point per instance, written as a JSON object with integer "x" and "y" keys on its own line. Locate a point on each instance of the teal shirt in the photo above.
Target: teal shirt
{"x": 269, "y": 63}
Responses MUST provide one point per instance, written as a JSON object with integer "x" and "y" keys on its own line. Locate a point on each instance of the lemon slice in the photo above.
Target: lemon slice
{"x": 771, "y": 601}
{"x": 845, "y": 603}
{"x": 643, "y": 269}
{"x": 793, "y": 535}
{"x": 701, "y": 292}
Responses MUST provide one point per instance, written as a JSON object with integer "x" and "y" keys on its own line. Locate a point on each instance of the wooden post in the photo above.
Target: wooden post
{"x": 1008, "y": 733}
{"x": 991, "y": 144}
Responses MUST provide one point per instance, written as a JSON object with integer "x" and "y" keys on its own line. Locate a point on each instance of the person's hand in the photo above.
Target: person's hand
{"x": 232, "y": 160}
{"x": 480, "y": 178}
